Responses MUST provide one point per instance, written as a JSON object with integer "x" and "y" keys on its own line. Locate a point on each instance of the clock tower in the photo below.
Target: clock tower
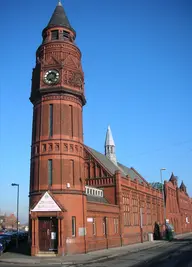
{"x": 57, "y": 193}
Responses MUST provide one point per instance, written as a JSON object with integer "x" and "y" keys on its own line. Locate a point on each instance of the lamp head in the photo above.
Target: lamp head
{"x": 163, "y": 169}
{"x": 13, "y": 184}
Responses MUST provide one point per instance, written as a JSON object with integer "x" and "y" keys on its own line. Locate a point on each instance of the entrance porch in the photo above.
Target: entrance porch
{"x": 47, "y": 233}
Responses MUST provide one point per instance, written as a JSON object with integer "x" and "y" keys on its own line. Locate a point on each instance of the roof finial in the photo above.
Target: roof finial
{"x": 59, "y": 3}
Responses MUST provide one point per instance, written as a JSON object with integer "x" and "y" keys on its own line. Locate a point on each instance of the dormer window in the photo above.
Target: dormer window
{"x": 55, "y": 35}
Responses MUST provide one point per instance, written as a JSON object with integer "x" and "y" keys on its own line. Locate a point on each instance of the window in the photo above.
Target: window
{"x": 104, "y": 225}
{"x": 54, "y": 35}
{"x": 72, "y": 172}
{"x": 116, "y": 225}
{"x": 34, "y": 125}
{"x": 94, "y": 226}
{"x": 51, "y": 120}
{"x": 135, "y": 209}
{"x": 32, "y": 174}
{"x": 149, "y": 213}
{"x": 127, "y": 209}
{"x": 65, "y": 34}
{"x": 50, "y": 172}
{"x": 71, "y": 118}
{"x": 73, "y": 226}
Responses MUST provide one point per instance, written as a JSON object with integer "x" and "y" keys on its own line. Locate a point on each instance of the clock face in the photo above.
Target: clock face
{"x": 51, "y": 77}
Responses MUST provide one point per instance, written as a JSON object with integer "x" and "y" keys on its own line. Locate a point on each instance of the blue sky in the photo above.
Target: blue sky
{"x": 137, "y": 60}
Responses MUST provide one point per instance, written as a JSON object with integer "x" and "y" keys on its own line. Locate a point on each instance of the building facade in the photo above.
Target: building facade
{"x": 178, "y": 205}
{"x": 82, "y": 200}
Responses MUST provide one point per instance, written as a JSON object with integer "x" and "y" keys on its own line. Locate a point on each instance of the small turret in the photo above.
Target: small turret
{"x": 183, "y": 187}
{"x": 173, "y": 179}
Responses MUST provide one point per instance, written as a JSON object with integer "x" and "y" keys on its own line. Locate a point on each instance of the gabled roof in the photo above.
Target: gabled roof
{"x": 111, "y": 167}
{"x": 47, "y": 202}
{"x": 182, "y": 186}
{"x": 108, "y": 164}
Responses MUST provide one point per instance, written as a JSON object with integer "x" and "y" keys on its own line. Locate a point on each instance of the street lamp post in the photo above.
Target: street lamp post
{"x": 17, "y": 243}
{"x": 163, "y": 193}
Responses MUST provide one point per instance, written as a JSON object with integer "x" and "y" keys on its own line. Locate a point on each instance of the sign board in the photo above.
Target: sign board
{"x": 82, "y": 231}
{"x": 89, "y": 219}
{"x": 46, "y": 203}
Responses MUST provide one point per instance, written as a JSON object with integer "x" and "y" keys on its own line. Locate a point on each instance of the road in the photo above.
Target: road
{"x": 175, "y": 254}
{"x": 179, "y": 254}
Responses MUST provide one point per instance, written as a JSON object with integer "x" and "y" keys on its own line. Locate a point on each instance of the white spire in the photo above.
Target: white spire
{"x": 109, "y": 138}
{"x": 110, "y": 146}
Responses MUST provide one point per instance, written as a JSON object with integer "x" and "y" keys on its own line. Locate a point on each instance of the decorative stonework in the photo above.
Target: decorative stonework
{"x": 62, "y": 97}
{"x": 50, "y": 148}
{"x": 71, "y": 148}
{"x": 65, "y": 147}
{"x": 44, "y": 148}
{"x": 76, "y": 148}
{"x": 73, "y": 78}
{"x": 56, "y": 147}
{"x": 61, "y": 52}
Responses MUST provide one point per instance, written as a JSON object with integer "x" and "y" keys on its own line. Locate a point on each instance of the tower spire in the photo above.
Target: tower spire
{"x": 59, "y": 18}
{"x": 59, "y": 3}
{"x": 110, "y": 146}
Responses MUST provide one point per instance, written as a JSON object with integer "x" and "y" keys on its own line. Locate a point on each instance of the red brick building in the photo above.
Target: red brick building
{"x": 80, "y": 199}
{"x": 178, "y": 205}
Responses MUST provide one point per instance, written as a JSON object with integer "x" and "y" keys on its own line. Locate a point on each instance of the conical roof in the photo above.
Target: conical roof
{"x": 182, "y": 186}
{"x": 109, "y": 138}
{"x": 173, "y": 177}
{"x": 59, "y": 18}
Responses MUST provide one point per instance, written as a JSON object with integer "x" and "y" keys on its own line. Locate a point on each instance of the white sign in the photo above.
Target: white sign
{"x": 53, "y": 235}
{"x": 89, "y": 219}
{"x": 82, "y": 231}
{"x": 46, "y": 203}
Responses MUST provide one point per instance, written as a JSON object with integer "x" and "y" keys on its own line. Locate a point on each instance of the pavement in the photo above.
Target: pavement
{"x": 12, "y": 257}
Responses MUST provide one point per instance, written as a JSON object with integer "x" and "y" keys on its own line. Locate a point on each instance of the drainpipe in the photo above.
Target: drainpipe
{"x": 83, "y": 206}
